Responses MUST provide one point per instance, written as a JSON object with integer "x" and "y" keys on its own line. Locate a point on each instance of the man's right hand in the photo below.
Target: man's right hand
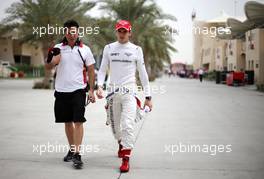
{"x": 52, "y": 53}
{"x": 99, "y": 92}
{"x": 56, "y": 59}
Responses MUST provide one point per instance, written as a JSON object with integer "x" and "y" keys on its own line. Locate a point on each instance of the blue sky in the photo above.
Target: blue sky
{"x": 182, "y": 9}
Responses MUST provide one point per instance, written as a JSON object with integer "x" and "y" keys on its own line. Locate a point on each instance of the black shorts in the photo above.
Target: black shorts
{"x": 70, "y": 107}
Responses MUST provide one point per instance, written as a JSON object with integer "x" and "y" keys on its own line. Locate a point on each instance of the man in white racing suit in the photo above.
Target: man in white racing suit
{"x": 123, "y": 59}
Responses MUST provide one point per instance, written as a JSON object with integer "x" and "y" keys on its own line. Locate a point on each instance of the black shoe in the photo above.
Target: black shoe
{"x": 68, "y": 157}
{"x": 77, "y": 161}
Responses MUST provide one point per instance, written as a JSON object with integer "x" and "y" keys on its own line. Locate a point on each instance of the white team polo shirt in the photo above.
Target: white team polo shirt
{"x": 69, "y": 76}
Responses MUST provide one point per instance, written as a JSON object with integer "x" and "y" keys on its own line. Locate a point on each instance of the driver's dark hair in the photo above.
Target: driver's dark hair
{"x": 71, "y": 23}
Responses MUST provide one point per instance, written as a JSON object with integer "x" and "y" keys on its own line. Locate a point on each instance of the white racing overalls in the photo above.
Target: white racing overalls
{"x": 121, "y": 115}
{"x": 123, "y": 60}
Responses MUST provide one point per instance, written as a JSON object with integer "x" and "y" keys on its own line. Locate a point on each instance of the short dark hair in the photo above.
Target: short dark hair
{"x": 71, "y": 23}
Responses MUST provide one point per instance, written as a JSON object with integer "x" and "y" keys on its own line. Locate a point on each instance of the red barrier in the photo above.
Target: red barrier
{"x": 235, "y": 78}
{"x": 229, "y": 79}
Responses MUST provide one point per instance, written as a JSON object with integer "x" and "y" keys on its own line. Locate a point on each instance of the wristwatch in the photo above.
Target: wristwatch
{"x": 148, "y": 98}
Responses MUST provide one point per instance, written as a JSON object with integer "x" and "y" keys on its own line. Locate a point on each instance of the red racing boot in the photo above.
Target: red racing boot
{"x": 125, "y": 160}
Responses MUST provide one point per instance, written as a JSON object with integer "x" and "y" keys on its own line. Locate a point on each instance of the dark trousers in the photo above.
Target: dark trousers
{"x": 201, "y": 78}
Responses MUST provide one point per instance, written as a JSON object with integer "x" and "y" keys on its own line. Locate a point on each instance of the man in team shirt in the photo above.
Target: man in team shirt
{"x": 70, "y": 57}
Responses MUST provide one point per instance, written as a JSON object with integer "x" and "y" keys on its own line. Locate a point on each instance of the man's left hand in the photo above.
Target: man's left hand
{"x": 91, "y": 96}
{"x": 148, "y": 103}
